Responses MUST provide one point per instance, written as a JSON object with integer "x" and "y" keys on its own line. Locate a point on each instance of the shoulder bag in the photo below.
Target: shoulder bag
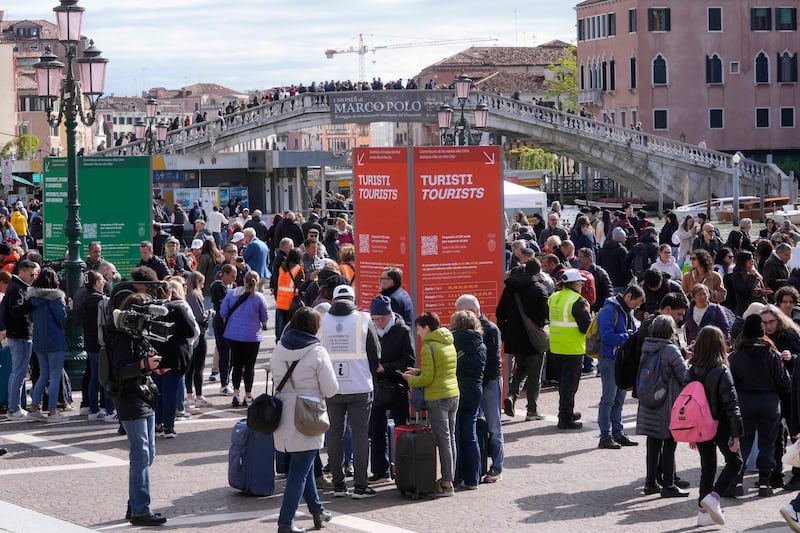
{"x": 538, "y": 337}
{"x": 235, "y": 306}
{"x": 310, "y": 414}
{"x": 264, "y": 414}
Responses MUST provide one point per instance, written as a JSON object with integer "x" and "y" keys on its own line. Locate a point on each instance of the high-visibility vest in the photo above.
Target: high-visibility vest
{"x": 286, "y": 288}
{"x": 565, "y": 337}
{"x": 348, "y": 272}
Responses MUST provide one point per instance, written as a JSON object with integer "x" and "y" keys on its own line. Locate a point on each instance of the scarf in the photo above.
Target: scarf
{"x": 384, "y": 331}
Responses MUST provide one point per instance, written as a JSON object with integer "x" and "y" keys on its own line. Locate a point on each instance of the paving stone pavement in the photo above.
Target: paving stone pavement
{"x": 76, "y": 472}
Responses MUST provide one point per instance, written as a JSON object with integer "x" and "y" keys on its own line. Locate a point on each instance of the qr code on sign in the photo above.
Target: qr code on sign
{"x": 430, "y": 244}
{"x": 363, "y": 244}
{"x": 90, "y": 231}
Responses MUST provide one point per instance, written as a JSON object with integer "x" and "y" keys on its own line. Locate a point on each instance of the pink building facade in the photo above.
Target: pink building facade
{"x": 723, "y": 73}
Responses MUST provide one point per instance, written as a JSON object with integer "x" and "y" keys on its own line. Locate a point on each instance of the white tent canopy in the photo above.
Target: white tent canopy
{"x": 519, "y": 197}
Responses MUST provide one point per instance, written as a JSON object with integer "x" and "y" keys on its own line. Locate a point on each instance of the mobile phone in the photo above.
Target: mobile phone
{"x": 399, "y": 372}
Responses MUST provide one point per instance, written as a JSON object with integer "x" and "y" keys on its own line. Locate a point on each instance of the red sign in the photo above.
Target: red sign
{"x": 380, "y": 185}
{"x": 458, "y": 209}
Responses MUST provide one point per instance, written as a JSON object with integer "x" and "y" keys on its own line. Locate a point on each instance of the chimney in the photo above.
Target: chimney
{"x": 1, "y": 15}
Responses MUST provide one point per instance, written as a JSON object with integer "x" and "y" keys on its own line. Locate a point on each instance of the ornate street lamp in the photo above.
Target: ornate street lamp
{"x": 463, "y": 86}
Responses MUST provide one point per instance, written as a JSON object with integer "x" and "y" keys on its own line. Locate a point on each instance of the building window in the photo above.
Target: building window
{"x": 583, "y": 77}
{"x": 603, "y": 22}
{"x": 762, "y": 68}
{"x": 713, "y": 69}
{"x": 659, "y": 70}
{"x": 715, "y": 119}
{"x": 658, "y": 19}
{"x": 631, "y": 21}
{"x": 604, "y": 76}
{"x": 633, "y": 73}
{"x": 714, "y": 19}
{"x": 660, "y": 119}
{"x": 762, "y": 117}
{"x": 786, "y": 18}
{"x": 612, "y": 75}
{"x": 612, "y": 24}
{"x": 787, "y": 117}
{"x": 735, "y": 67}
{"x": 760, "y": 19}
{"x": 580, "y": 29}
{"x": 787, "y": 68}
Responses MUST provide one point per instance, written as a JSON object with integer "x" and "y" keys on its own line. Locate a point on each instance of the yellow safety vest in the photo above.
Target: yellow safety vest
{"x": 565, "y": 337}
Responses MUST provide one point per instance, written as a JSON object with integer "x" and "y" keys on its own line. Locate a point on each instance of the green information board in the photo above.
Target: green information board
{"x": 115, "y": 197}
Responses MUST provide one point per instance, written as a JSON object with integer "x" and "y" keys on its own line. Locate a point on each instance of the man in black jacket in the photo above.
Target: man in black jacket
{"x": 19, "y": 329}
{"x": 259, "y": 225}
{"x": 656, "y": 285}
{"x": 612, "y": 259}
{"x": 288, "y": 227}
{"x": 523, "y": 293}
{"x": 149, "y": 259}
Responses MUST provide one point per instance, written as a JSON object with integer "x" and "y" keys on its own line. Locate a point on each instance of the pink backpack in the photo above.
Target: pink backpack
{"x": 691, "y": 419}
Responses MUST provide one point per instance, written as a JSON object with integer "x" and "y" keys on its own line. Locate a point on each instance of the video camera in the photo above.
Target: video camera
{"x": 145, "y": 321}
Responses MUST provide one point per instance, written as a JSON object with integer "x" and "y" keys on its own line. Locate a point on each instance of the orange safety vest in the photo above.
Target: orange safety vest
{"x": 348, "y": 272}
{"x": 286, "y": 288}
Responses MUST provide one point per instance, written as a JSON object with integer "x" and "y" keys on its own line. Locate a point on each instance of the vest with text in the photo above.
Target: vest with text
{"x": 345, "y": 338}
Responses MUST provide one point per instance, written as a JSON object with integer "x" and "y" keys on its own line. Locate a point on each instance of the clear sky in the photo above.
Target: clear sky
{"x": 257, "y": 44}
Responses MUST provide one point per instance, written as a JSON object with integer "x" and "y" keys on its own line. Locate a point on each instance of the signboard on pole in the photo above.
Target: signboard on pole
{"x": 457, "y": 213}
{"x": 119, "y": 230}
{"x": 380, "y": 181}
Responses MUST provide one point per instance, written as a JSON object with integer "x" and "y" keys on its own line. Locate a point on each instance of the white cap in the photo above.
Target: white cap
{"x": 238, "y": 236}
{"x": 197, "y": 244}
{"x": 344, "y": 291}
{"x": 571, "y": 274}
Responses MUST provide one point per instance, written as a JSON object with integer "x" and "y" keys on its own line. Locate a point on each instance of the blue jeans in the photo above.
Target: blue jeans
{"x": 299, "y": 482}
{"x": 468, "y": 453}
{"x": 50, "y": 366}
{"x": 281, "y": 319}
{"x": 609, "y": 414}
{"x": 490, "y": 407}
{"x": 167, "y": 398}
{"x": 94, "y": 386}
{"x": 20, "y": 359}
{"x": 142, "y": 443}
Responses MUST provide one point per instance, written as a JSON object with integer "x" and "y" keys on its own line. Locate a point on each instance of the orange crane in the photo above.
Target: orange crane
{"x": 363, "y": 49}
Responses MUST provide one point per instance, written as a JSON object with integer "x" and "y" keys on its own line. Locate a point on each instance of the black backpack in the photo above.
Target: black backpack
{"x": 650, "y": 386}
{"x": 626, "y": 364}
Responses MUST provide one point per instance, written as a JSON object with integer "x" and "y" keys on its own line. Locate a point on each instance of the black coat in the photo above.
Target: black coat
{"x": 176, "y": 353}
{"x": 612, "y": 259}
{"x": 603, "y": 287}
{"x": 471, "y": 362}
{"x": 88, "y": 318}
{"x": 126, "y": 356}
{"x": 758, "y": 368}
{"x": 509, "y": 321}
{"x": 491, "y": 338}
{"x": 288, "y": 228}
{"x": 397, "y": 352}
{"x": 259, "y": 226}
{"x": 17, "y": 310}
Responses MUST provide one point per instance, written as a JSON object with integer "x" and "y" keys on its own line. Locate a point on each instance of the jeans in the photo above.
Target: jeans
{"x": 529, "y": 365}
{"x": 281, "y": 319}
{"x": 660, "y": 458}
{"x": 223, "y": 353}
{"x": 569, "y": 378}
{"x": 760, "y": 412}
{"x": 167, "y": 398}
{"x": 142, "y": 443}
{"x": 300, "y": 481}
{"x": 490, "y": 407}
{"x": 609, "y": 414}
{"x": 379, "y": 443}
{"x": 93, "y": 359}
{"x": 356, "y": 408}
{"x": 20, "y": 359}
{"x": 50, "y": 366}
{"x": 708, "y": 464}
{"x": 468, "y": 454}
{"x": 442, "y": 418}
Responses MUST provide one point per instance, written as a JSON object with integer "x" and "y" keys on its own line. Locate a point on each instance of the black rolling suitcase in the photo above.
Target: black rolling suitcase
{"x": 482, "y": 429}
{"x": 415, "y": 461}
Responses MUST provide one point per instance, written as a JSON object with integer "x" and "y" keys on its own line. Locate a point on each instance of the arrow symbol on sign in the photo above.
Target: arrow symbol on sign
{"x": 361, "y": 160}
{"x": 46, "y": 165}
{"x": 489, "y": 159}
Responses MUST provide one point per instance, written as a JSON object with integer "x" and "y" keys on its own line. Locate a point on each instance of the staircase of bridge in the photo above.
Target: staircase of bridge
{"x": 641, "y": 162}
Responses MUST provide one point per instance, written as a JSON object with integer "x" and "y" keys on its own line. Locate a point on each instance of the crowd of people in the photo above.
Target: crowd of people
{"x": 726, "y": 314}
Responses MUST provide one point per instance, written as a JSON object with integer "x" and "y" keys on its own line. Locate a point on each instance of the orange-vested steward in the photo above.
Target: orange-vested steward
{"x": 348, "y": 272}
{"x": 286, "y": 287}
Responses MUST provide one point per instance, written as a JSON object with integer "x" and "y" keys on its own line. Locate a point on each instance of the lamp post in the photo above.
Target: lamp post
{"x": 147, "y": 131}
{"x": 736, "y": 159}
{"x": 463, "y": 86}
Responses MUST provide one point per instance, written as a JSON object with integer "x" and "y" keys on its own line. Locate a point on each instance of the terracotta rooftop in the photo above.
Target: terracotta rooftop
{"x": 500, "y": 56}
{"x": 587, "y": 3}
{"x": 508, "y": 82}
{"x": 196, "y": 89}
{"x": 49, "y": 30}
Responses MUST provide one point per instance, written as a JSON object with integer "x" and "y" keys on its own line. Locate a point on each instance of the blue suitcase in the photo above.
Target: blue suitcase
{"x": 251, "y": 461}
{"x": 5, "y": 373}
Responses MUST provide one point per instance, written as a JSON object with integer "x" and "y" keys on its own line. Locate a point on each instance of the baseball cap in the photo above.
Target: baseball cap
{"x": 197, "y": 244}
{"x": 173, "y": 239}
{"x": 344, "y": 291}
{"x": 571, "y": 274}
{"x": 238, "y": 236}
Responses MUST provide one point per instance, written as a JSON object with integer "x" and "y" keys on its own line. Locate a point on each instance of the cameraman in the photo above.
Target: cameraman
{"x": 135, "y": 398}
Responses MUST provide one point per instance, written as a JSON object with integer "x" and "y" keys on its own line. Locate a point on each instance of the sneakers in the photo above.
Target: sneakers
{"x": 324, "y": 483}
{"x": 22, "y": 414}
{"x": 159, "y": 431}
{"x": 56, "y": 417}
{"x": 764, "y": 491}
{"x": 340, "y": 492}
{"x": 183, "y": 415}
{"x": 623, "y": 440}
{"x": 170, "y": 434}
{"x": 508, "y": 407}
{"x": 790, "y": 515}
{"x": 493, "y": 476}
{"x": 608, "y": 443}
{"x": 189, "y": 398}
{"x": 200, "y": 401}
{"x": 96, "y": 417}
{"x": 378, "y": 477}
{"x": 193, "y": 410}
{"x": 36, "y": 415}
{"x": 364, "y": 493}
{"x": 213, "y": 376}
{"x": 111, "y": 418}
{"x": 84, "y": 410}
{"x": 533, "y": 415}
{"x": 227, "y": 390}
{"x": 704, "y": 519}
{"x": 711, "y": 504}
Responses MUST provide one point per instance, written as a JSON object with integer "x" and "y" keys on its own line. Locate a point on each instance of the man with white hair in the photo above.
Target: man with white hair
{"x": 255, "y": 253}
{"x": 257, "y": 224}
{"x": 492, "y": 387}
{"x": 289, "y": 227}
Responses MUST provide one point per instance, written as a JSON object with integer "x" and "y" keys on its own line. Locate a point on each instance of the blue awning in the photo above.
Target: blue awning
{"x": 23, "y": 181}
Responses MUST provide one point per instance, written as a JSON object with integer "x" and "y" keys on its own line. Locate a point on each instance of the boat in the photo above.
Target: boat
{"x": 701, "y": 207}
{"x": 612, "y": 204}
{"x": 752, "y": 208}
{"x": 788, "y": 212}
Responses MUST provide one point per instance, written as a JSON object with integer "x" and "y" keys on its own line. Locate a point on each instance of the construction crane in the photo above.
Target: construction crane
{"x": 363, "y": 49}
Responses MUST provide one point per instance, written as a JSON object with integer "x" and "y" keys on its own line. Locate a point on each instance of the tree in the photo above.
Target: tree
{"x": 24, "y": 146}
{"x": 525, "y": 158}
{"x": 563, "y": 86}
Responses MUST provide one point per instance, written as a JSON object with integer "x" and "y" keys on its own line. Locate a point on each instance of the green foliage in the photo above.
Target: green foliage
{"x": 24, "y": 146}
{"x": 525, "y": 158}
{"x": 788, "y": 163}
{"x": 563, "y": 87}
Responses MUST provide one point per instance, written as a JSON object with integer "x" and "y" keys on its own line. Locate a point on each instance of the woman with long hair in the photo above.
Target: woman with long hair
{"x": 710, "y": 367}
{"x": 764, "y": 250}
{"x": 194, "y": 374}
{"x": 9, "y": 234}
{"x": 290, "y": 277}
{"x": 770, "y": 227}
{"x": 671, "y": 225}
{"x": 702, "y": 272}
{"x": 226, "y": 280}
{"x": 245, "y": 311}
{"x": 437, "y": 375}
{"x": 344, "y": 231}
{"x": 687, "y": 232}
{"x": 703, "y": 313}
{"x": 603, "y": 227}
{"x": 747, "y": 283}
{"x": 209, "y": 257}
{"x": 314, "y": 377}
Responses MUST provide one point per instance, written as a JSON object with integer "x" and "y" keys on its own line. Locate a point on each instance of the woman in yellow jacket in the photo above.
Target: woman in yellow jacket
{"x": 438, "y": 376}
{"x": 20, "y": 224}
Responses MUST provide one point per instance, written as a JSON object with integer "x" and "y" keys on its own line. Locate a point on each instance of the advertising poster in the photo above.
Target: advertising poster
{"x": 380, "y": 181}
{"x": 224, "y": 195}
{"x": 240, "y": 192}
{"x": 458, "y": 206}
{"x": 210, "y": 198}
{"x": 186, "y": 197}
{"x": 120, "y": 234}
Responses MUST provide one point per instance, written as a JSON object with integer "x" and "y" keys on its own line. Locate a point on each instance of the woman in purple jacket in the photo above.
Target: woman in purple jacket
{"x": 703, "y": 313}
{"x": 245, "y": 311}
